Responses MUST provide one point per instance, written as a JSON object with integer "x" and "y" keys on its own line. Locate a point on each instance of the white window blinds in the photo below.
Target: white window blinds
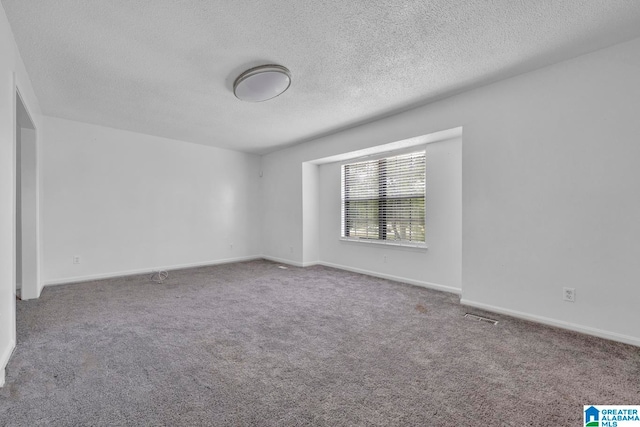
{"x": 384, "y": 199}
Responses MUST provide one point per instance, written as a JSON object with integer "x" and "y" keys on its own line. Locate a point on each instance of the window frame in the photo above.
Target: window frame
{"x": 378, "y": 241}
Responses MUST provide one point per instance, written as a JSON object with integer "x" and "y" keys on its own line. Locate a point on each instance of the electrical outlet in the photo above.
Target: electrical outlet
{"x": 569, "y": 294}
{"x": 231, "y": 246}
{"x": 76, "y": 259}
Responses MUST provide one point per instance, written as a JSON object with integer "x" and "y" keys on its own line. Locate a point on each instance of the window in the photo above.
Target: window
{"x": 383, "y": 200}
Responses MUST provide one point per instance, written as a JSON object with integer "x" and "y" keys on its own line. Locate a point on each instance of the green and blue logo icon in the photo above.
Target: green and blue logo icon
{"x": 592, "y": 417}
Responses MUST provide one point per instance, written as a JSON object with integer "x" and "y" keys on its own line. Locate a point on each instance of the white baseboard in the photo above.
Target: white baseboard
{"x": 420, "y": 283}
{"x": 91, "y": 277}
{"x": 287, "y": 261}
{"x": 310, "y": 263}
{"x": 557, "y": 323}
{"x": 22, "y": 297}
{"x": 4, "y": 360}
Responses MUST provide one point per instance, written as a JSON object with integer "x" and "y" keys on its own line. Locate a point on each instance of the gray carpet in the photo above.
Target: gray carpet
{"x": 251, "y": 344}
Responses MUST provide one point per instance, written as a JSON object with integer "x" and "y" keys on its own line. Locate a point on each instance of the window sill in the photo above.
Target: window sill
{"x": 419, "y": 246}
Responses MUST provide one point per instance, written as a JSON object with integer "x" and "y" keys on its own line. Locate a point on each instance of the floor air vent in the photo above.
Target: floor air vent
{"x": 480, "y": 318}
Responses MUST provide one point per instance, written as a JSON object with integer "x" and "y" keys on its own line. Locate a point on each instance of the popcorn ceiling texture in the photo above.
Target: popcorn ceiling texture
{"x": 250, "y": 344}
{"x": 166, "y": 67}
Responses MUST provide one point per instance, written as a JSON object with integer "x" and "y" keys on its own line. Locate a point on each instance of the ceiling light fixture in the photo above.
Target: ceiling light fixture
{"x": 262, "y": 83}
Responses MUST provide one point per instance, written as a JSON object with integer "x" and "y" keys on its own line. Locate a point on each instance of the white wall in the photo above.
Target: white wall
{"x": 127, "y": 202}
{"x": 437, "y": 267}
{"x": 12, "y": 74}
{"x": 18, "y": 207}
{"x": 26, "y": 215}
{"x": 310, "y": 213}
{"x": 549, "y": 183}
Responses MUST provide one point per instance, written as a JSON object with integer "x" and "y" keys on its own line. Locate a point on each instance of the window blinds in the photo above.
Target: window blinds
{"x": 384, "y": 199}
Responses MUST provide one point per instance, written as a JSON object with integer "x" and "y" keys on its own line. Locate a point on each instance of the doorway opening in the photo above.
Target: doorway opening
{"x": 27, "y": 284}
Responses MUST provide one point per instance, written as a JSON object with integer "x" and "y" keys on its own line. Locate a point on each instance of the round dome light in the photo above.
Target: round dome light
{"x": 262, "y": 83}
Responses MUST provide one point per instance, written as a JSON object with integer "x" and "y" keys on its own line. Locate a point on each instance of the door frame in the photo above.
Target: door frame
{"x": 36, "y": 289}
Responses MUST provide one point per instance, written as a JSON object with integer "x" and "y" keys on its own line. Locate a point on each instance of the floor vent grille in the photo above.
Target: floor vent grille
{"x": 480, "y": 318}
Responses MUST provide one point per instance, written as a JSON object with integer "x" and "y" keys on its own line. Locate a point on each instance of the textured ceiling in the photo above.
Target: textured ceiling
{"x": 166, "y": 67}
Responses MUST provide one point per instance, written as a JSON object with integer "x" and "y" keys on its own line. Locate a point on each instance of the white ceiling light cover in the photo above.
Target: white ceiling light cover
{"x": 262, "y": 83}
